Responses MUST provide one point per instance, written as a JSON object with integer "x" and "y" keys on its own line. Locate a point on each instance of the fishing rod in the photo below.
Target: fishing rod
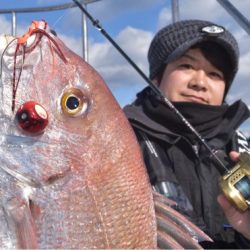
{"x": 235, "y": 184}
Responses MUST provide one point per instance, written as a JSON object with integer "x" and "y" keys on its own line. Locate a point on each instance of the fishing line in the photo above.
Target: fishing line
{"x": 62, "y": 16}
{"x": 97, "y": 25}
{"x": 15, "y": 83}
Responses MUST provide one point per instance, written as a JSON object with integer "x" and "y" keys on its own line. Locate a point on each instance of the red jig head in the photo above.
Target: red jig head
{"x": 32, "y": 117}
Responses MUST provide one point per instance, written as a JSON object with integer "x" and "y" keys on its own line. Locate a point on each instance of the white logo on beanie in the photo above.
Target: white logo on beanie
{"x": 213, "y": 30}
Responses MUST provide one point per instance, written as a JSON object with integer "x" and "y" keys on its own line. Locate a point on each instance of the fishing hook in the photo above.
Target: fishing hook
{"x": 22, "y": 42}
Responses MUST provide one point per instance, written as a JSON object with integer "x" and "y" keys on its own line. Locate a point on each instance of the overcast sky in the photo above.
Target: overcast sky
{"x": 132, "y": 24}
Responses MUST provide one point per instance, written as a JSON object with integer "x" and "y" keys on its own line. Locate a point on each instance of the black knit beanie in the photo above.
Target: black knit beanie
{"x": 175, "y": 39}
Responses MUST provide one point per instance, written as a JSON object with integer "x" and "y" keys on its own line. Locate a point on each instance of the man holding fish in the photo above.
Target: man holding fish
{"x": 193, "y": 63}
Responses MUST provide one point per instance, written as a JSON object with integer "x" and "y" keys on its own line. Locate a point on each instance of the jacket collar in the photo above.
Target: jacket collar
{"x": 236, "y": 115}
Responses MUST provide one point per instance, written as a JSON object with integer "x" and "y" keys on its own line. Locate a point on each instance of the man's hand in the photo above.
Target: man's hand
{"x": 240, "y": 221}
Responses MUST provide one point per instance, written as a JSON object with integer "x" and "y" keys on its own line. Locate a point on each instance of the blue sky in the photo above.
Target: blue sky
{"x": 132, "y": 25}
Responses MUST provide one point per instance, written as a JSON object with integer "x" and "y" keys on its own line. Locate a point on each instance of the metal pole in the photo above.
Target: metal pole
{"x": 175, "y": 11}
{"x": 13, "y": 32}
{"x": 241, "y": 20}
{"x": 84, "y": 36}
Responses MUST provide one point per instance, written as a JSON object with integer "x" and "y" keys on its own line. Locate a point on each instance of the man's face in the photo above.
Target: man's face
{"x": 192, "y": 78}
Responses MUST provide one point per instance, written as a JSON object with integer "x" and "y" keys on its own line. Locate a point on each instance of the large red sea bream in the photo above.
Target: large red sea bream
{"x": 71, "y": 171}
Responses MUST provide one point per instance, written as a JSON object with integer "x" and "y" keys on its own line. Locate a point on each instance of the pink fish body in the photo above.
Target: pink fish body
{"x": 71, "y": 170}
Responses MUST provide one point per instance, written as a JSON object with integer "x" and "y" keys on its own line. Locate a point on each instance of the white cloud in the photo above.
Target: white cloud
{"x": 196, "y": 9}
{"x": 165, "y": 17}
{"x": 5, "y": 25}
{"x": 111, "y": 64}
{"x": 244, "y": 69}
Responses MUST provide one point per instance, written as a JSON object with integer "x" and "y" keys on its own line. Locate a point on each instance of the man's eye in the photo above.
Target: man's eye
{"x": 185, "y": 66}
{"x": 216, "y": 75}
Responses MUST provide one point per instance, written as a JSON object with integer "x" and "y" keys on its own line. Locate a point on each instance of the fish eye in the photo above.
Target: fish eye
{"x": 74, "y": 102}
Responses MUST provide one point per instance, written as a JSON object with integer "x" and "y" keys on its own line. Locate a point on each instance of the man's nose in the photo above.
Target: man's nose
{"x": 198, "y": 80}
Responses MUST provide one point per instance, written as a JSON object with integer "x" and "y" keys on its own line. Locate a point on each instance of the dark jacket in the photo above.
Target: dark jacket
{"x": 181, "y": 168}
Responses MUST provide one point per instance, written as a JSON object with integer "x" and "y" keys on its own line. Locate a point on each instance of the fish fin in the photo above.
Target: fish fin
{"x": 19, "y": 213}
{"x": 176, "y": 224}
{"x": 166, "y": 241}
{"x": 175, "y": 231}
